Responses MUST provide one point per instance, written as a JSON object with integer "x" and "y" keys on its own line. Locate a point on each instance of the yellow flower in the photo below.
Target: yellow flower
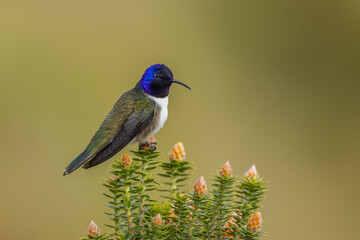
{"x": 178, "y": 152}
{"x": 93, "y": 230}
{"x": 200, "y": 187}
{"x": 126, "y": 161}
{"x": 254, "y": 223}
{"x": 251, "y": 173}
{"x": 157, "y": 220}
{"x": 226, "y": 170}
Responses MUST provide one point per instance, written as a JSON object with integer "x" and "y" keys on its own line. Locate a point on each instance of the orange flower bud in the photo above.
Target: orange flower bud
{"x": 93, "y": 230}
{"x": 254, "y": 223}
{"x": 126, "y": 161}
{"x": 157, "y": 220}
{"x": 251, "y": 173}
{"x": 151, "y": 140}
{"x": 226, "y": 170}
{"x": 178, "y": 152}
{"x": 200, "y": 187}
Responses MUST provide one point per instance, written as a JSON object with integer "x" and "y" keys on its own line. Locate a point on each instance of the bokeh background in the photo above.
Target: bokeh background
{"x": 275, "y": 83}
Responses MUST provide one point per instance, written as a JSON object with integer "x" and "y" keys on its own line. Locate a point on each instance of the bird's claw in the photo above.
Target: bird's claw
{"x": 148, "y": 146}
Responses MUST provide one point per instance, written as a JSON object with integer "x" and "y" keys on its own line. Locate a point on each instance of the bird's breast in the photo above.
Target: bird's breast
{"x": 158, "y": 121}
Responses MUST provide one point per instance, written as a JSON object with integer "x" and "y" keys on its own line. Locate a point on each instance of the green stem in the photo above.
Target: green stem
{"x": 173, "y": 184}
{"x": 127, "y": 208}
{"x": 216, "y": 211}
{"x": 144, "y": 164}
{"x": 116, "y": 215}
{"x": 193, "y": 219}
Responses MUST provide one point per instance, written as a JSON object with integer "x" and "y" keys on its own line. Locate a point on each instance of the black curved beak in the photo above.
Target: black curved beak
{"x": 181, "y": 83}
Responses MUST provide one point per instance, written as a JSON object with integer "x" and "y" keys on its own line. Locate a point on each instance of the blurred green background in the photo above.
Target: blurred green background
{"x": 275, "y": 83}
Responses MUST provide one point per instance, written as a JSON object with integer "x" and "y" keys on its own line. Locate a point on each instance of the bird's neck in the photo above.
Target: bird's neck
{"x": 161, "y": 102}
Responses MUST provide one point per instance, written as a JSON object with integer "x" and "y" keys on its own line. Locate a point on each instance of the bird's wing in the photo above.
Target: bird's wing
{"x": 124, "y": 120}
{"x": 135, "y": 123}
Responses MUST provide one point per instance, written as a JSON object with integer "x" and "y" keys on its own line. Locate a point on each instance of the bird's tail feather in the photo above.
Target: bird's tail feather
{"x": 80, "y": 160}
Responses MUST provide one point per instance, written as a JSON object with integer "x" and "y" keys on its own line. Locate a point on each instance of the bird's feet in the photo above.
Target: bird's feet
{"x": 148, "y": 145}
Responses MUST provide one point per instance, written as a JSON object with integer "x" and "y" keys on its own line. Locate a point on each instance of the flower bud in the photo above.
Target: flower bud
{"x": 126, "y": 161}
{"x": 226, "y": 170}
{"x": 200, "y": 187}
{"x": 157, "y": 220}
{"x": 251, "y": 173}
{"x": 93, "y": 230}
{"x": 254, "y": 223}
{"x": 178, "y": 152}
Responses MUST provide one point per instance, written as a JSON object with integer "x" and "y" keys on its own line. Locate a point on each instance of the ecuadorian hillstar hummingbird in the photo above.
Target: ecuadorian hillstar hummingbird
{"x": 135, "y": 117}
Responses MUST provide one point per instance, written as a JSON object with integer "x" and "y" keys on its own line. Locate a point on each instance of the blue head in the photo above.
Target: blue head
{"x": 157, "y": 81}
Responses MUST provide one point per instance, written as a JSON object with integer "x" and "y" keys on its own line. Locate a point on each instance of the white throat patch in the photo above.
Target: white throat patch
{"x": 162, "y": 103}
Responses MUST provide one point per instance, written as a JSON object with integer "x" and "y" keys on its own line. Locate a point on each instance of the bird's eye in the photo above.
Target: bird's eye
{"x": 157, "y": 75}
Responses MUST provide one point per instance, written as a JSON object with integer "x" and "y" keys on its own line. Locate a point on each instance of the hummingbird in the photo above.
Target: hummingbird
{"x": 136, "y": 116}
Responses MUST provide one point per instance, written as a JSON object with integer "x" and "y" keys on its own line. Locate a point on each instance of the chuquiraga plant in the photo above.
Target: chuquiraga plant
{"x": 176, "y": 170}
{"x": 229, "y": 210}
